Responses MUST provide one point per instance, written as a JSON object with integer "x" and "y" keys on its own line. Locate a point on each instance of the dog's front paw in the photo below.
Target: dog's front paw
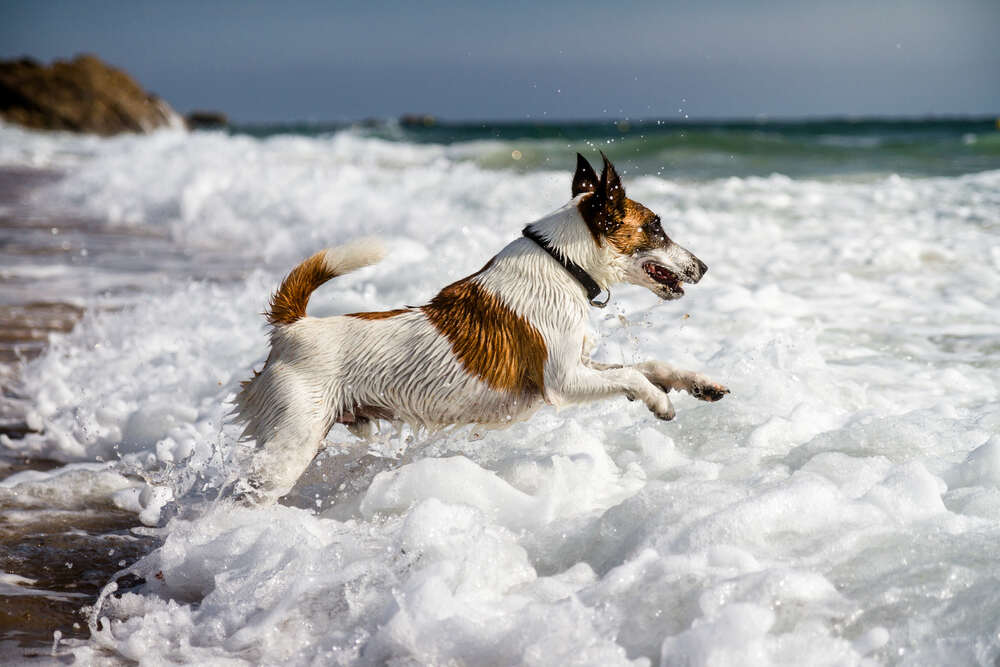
{"x": 666, "y": 416}
{"x": 663, "y": 409}
{"x": 705, "y": 390}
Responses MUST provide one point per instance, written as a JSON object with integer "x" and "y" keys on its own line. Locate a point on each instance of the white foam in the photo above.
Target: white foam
{"x": 75, "y": 486}
{"x": 839, "y": 506}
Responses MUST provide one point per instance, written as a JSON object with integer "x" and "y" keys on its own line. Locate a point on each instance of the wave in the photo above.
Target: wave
{"x": 687, "y": 151}
{"x": 701, "y": 150}
{"x": 853, "y": 318}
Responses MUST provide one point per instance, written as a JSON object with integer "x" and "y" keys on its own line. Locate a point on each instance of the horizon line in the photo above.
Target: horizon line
{"x": 418, "y": 120}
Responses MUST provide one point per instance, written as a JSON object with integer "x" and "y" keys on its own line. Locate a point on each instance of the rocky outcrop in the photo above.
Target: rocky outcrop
{"x": 417, "y": 120}
{"x": 206, "y": 120}
{"x": 82, "y": 95}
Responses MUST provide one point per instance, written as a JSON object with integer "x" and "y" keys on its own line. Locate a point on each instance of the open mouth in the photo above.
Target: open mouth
{"x": 663, "y": 276}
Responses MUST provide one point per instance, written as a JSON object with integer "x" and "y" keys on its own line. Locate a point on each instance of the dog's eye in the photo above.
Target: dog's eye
{"x": 654, "y": 230}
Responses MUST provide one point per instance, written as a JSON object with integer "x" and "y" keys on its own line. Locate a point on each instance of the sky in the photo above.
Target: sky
{"x": 334, "y": 61}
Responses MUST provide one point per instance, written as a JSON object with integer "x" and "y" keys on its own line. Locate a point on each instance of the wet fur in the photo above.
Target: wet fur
{"x": 489, "y": 349}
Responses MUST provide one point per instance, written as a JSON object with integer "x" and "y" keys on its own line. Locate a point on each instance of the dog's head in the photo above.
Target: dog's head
{"x": 648, "y": 256}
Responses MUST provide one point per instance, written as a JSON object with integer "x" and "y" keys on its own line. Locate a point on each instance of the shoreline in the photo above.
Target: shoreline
{"x": 26, "y": 320}
{"x": 56, "y": 559}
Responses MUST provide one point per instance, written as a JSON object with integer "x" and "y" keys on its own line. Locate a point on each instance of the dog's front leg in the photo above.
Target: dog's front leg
{"x": 667, "y": 377}
{"x": 581, "y": 384}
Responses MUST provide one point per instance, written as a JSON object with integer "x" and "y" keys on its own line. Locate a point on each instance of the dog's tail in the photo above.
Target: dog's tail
{"x": 289, "y": 303}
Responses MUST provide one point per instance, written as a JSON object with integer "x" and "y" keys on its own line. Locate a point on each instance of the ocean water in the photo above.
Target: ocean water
{"x": 840, "y": 507}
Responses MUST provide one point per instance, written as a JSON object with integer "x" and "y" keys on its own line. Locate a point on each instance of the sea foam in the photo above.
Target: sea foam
{"x": 839, "y": 507}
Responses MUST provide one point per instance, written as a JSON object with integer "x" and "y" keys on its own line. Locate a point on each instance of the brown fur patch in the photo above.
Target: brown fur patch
{"x": 289, "y": 303}
{"x": 591, "y": 212}
{"x": 381, "y": 315}
{"x": 639, "y": 230}
{"x": 604, "y": 208}
{"x": 492, "y": 342}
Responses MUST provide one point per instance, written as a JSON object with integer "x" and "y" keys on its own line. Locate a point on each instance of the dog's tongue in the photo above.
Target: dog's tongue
{"x": 662, "y": 275}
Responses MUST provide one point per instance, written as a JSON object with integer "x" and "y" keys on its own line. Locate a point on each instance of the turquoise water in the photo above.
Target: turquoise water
{"x": 700, "y": 150}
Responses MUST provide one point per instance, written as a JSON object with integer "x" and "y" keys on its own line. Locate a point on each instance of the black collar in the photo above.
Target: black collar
{"x": 575, "y": 270}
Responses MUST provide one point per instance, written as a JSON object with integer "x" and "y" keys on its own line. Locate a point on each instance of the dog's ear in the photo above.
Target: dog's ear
{"x": 609, "y": 199}
{"x": 604, "y": 209}
{"x": 611, "y": 189}
{"x": 585, "y": 178}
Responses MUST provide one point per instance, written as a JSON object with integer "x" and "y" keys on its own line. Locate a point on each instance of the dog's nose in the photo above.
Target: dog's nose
{"x": 702, "y": 267}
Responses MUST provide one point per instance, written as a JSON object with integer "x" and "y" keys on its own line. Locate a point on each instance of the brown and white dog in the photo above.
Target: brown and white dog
{"x": 488, "y": 349}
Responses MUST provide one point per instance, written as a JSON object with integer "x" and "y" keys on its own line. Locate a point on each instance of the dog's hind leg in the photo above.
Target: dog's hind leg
{"x": 275, "y": 466}
{"x": 288, "y": 425}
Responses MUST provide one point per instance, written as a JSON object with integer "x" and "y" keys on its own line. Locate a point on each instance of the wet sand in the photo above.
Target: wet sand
{"x": 67, "y": 556}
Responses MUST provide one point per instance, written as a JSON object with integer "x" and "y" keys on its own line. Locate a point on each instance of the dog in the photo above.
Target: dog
{"x": 489, "y": 349}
